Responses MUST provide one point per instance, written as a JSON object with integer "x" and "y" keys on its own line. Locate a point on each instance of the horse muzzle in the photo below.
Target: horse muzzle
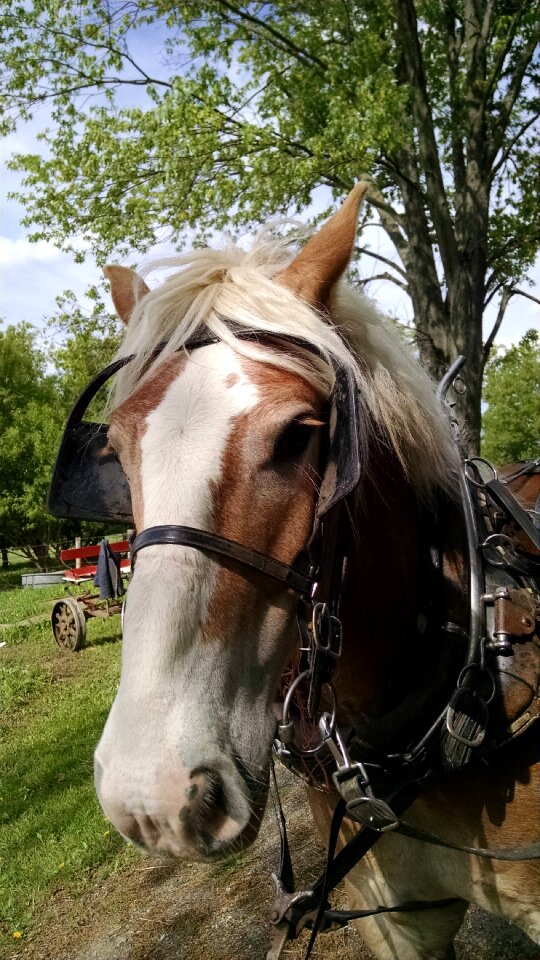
{"x": 201, "y": 814}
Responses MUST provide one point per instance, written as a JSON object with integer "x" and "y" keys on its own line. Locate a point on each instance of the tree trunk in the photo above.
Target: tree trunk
{"x": 40, "y": 555}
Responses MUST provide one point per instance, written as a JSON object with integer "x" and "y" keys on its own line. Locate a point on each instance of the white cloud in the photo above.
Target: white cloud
{"x": 20, "y": 252}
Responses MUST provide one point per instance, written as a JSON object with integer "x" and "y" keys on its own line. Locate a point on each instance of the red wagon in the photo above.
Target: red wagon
{"x": 69, "y": 615}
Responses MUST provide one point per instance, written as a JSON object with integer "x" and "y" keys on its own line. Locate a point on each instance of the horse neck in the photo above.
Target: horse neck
{"x": 388, "y": 667}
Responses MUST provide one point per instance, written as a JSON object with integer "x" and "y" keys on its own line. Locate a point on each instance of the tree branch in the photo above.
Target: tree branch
{"x": 525, "y": 293}
{"x": 453, "y": 47}
{"x": 505, "y": 299}
{"x": 378, "y": 256}
{"x": 412, "y": 69}
{"x": 510, "y": 146}
{"x": 503, "y": 53}
{"x": 383, "y": 276}
{"x": 510, "y": 98}
{"x": 283, "y": 42}
{"x": 508, "y": 292}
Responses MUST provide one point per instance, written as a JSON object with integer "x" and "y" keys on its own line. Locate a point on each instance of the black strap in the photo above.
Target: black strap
{"x": 342, "y": 917}
{"x": 203, "y": 540}
{"x": 285, "y": 874}
{"x": 529, "y": 851}
{"x": 502, "y": 496}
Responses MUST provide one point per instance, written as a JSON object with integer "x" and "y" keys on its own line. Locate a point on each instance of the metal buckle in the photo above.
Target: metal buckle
{"x": 327, "y": 631}
{"x": 352, "y": 783}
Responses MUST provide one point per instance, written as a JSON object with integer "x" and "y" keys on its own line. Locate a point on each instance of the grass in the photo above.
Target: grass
{"x": 53, "y": 834}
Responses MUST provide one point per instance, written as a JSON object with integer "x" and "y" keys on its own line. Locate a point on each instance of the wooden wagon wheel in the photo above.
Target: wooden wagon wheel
{"x": 68, "y": 624}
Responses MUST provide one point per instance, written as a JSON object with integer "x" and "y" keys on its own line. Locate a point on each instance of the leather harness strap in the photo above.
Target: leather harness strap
{"x": 212, "y": 543}
{"x": 529, "y": 851}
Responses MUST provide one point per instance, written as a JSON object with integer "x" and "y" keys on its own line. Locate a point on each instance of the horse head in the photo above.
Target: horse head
{"x": 229, "y": 437}
{"x": 224, "y": 442}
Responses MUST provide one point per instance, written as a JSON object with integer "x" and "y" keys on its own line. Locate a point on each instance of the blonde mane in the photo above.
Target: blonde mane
{"x": 220, "y": 291}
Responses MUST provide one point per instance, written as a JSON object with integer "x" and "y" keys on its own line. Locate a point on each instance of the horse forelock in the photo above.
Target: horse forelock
{"x": 219, "y": 291}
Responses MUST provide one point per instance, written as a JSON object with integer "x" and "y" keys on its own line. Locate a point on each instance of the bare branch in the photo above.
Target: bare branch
{"x": 507, "y": 293}
{"x": 525, "y": 293}
{"x": 378, "y": 256}
{"x": 503, "y": 53}
{"x": 510, "y": 146}
{"x": 383, "y": 276}
{"x": 377, "y": 199}
{"x": 505, "y": 299}
{"x": 512, "y": 93}
{"x": 411, "y": 70}
{"x": 454, "y": 44}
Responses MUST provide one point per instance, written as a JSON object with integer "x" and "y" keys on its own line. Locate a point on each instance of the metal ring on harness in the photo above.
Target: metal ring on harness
{"x": 492, "y": 546}
{"x": 472, "y": 461}
{"x": 285, "y": 737}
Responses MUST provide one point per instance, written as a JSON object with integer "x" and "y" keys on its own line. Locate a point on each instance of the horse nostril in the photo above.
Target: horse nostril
{"x": 206, "y": 814}
{"x": 215, "y": 799}
{"x": 207, "y": 795}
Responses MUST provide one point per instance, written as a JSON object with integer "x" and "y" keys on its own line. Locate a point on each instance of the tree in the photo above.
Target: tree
{"x": 30, "y": 430}
{"x": 511, "y": 423}
{"x": 83, "y": 342}
{"x": 255, "y": 105}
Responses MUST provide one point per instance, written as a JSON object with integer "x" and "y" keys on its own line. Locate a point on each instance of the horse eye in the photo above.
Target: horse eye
{"x": 292, "y": 442}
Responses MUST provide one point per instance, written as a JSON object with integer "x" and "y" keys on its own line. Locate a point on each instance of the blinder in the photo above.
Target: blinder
{"x": 88, "y": 482}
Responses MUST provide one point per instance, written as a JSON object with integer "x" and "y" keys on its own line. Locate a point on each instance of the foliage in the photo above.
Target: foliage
{"x": 83, "y": 343}
{"x": 511, "y": 423}
{"x": 249, "y": 108}
{"x": 30, "y": 430}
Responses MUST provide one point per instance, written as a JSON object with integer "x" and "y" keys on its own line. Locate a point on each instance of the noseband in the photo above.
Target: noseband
{"x": 289, "y": 576}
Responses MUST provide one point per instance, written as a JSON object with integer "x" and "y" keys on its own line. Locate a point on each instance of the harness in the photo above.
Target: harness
{"x": 88, "y": 483}
{"x": 504, "y": 610}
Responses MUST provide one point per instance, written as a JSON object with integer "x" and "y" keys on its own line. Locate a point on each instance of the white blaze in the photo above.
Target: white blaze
{"x": 166, "y": 685}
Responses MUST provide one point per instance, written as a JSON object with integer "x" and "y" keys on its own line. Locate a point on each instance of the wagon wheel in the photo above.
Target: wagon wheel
{"x": 68, "y": 624}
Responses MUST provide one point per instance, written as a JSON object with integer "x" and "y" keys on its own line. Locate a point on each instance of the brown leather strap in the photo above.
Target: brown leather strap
{"x": 212, "y": 543}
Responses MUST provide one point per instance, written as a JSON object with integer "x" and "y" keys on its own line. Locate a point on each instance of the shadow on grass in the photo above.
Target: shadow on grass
{"x": 52, "y": 762}
{"x": 101, "y": 641}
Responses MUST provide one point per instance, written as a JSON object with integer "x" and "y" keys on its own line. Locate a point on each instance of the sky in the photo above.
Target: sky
{"x": 32, "y": 275}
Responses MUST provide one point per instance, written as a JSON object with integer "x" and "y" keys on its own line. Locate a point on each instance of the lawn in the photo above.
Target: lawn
{"x": 53, "y": 705}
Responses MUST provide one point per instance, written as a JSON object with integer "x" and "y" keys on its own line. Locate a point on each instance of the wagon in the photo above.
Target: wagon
{"x": 69, "y": 615}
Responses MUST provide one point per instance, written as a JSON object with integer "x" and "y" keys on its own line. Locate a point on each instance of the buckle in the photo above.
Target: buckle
{"x": 352, "y": 783}
{"x": 327, "y": 631}
{"x": 373, "y": 813}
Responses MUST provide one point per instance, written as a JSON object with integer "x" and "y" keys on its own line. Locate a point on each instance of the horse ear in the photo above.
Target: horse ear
{"x": 127, "y": 288}
{"x": 313, "y": 274}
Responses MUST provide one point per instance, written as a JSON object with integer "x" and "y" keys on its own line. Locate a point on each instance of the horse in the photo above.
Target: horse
{"x": 282, "y": 450}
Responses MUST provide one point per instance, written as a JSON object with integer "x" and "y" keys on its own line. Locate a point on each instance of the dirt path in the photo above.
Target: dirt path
{"x": 164, "y": 911}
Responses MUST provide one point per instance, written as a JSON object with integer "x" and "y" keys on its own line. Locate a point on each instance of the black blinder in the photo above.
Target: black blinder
{"x": 88, "y": 482}
{"x": 343, "y": 467}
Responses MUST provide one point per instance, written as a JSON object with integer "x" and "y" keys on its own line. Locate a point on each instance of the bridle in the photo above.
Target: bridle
{"x": 318, "y": 572}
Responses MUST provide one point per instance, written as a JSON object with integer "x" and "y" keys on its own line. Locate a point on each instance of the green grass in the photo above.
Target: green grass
{"x": 53, "y": 834}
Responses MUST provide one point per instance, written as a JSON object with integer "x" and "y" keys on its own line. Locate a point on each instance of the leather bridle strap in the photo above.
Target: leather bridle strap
{"x": 212, "y": 543}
